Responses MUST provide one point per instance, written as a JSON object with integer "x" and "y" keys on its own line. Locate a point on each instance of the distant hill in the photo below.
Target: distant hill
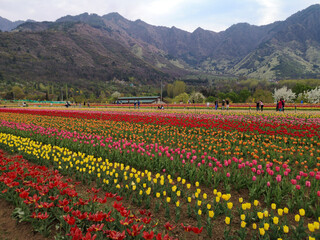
{"x": 7, "y": 25}
{"x": 88, "y": 48}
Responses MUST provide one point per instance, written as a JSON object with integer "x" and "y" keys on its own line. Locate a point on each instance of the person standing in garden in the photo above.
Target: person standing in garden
{"x": 227, "y": 102}
{"x": 261, "y": 105}
{"x": 282, "y": 103}
{"x": 258, "y": 105}
{"x": 223, "y": 104}
{"x": 216, "y": 104}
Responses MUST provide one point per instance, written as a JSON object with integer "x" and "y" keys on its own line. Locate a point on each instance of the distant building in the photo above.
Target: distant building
{"x": 143, "y": 100}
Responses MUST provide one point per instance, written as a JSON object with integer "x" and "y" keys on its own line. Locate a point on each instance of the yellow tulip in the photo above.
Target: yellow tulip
{"x": 302, "y": 212}
{"x": 316, "y": 225}
{"x": 297, "y": 218}
{"x": 273, "y": 206}
{"x": 244, "y": 206}
{"x": 262, "y": 231}
{"x": 311, "y": 227}
{"x": 211, "y": 214}
{"x": 230, "y": 205}
{"x": 285, "y": 229}
{"x": 243, "y": 224}
{"x": 227, "y": 220}
{"x": 254, "y": 226}
{"x": 276, "y": 220}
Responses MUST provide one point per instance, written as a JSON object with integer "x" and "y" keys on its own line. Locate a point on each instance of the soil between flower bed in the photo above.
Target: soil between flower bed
{"x": 10, "y": 229}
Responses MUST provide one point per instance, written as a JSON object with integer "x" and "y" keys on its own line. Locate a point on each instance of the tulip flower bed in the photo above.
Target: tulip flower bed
{"x": 49, "y": 203}
{"x": 175, "y": 162}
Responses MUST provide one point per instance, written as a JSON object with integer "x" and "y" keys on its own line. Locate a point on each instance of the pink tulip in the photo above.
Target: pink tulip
{"x": 254, "y": 178}
{"x": 308, "y": 184}
{"x": 298, "y": 187}
{"x": 268, "y": 184}
{"x": 228, "y": 174}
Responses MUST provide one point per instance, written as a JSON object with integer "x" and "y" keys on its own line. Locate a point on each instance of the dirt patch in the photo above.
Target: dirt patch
{"x": 10, "y": 229}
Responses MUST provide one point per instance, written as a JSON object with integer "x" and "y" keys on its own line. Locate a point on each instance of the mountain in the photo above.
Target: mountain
{"x": 88, "y": 48}
{"x": 7, "y": 25}
{"x": 291, "y": 51}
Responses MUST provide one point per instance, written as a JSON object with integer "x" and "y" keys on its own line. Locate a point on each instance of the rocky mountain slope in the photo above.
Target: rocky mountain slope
{"x": 89, "y": 47}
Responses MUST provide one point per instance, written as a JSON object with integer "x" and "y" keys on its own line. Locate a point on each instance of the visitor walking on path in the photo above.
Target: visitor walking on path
{"x": 227, "y": 102}
{"x": 261, "y": 105}
{"x": 258, "y": 106}
{"x": 216, "y": 104}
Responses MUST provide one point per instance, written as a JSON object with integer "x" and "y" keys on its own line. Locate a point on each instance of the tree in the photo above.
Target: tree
{"x": 234, "y": 97}
{"x": 314, "y": 95}
{"x": 115, "y": 96}
{"x": 169, "y": 89}
{"x": 197, "y": 97}
{"x": 183, "y": 97}
{"x": 300, "y": 88}
{"x": 210, "y": 99}
{"x": 263, "y": 95}
{"x": 18, "y": 92}
{"x": 178, "y": 88}
{"x": 243, "y": 95}
{"x": 285, "y": 93}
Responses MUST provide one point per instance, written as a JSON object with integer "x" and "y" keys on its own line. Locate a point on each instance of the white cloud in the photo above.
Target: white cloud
{"x": 213, "y": 15}
{"x": 270, "y": 11}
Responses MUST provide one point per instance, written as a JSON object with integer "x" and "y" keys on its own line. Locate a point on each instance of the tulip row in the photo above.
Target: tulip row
{"x": 273, "y": 181}
{"x": 43, "y": 198}
{"x": 117, "y": 177}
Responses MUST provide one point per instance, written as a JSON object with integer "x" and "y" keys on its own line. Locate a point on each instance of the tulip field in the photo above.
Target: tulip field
{"x": 148, "y": 174}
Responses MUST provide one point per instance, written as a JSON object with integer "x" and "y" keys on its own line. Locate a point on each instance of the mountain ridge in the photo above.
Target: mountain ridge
{"x": 283, "y": 49}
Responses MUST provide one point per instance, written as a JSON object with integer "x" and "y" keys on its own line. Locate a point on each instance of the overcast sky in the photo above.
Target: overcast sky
{"x": 215, "y": 15}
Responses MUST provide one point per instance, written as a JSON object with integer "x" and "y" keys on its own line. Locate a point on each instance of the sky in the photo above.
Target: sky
{"x": 214, "y": 15}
